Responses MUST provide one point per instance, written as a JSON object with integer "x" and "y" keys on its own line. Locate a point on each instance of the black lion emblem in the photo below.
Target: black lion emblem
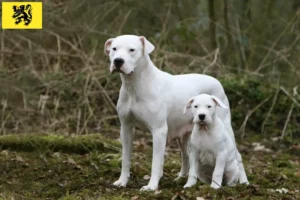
{"x": 22, "y": 12}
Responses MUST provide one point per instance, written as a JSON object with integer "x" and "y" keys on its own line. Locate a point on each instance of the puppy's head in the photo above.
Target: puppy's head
{"x": 203, "y": 108}
{"x": 125, "y": 51}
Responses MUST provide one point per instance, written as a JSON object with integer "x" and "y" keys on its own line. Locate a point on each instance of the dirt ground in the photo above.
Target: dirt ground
{"x": 43, "y": 167}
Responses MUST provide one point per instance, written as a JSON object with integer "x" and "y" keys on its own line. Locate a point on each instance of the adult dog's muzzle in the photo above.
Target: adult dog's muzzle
{"x": 118, "y": 62}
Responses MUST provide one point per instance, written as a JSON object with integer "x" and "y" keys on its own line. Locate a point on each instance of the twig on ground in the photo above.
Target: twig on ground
{"x": 213, "y": 62}
{"x": 289, "y": 114}
{"x": 269, "y": 112}
{"x": 290, "y": 96}
{"x": 287, "y": 120}
{"x": 243, "y": 126}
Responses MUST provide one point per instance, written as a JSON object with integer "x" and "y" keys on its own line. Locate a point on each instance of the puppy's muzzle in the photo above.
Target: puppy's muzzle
{"x": 201, "y": 117}
{"x": 118, "y": 63}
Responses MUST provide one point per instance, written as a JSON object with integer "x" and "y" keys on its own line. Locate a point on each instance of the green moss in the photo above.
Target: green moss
{"x": 54, "y": 142}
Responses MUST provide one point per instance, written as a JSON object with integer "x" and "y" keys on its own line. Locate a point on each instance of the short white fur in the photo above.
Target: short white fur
{"x": 213, "y": 153}
{"x": 152, "y": 100}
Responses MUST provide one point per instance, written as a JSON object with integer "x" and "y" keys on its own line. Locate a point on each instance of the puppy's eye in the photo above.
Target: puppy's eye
{"x": 131, "y": 50}
{"x": 114, "y": 48}
{"x": 209, "y": 106}
{"x": 196, "y": 106}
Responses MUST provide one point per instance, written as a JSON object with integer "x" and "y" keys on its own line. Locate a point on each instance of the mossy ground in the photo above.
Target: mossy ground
{"x": 56, "y": 173}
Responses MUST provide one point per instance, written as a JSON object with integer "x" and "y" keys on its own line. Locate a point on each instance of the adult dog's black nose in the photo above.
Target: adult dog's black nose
{"x": 201, "y": 117}
{"x": 118, "y": 62}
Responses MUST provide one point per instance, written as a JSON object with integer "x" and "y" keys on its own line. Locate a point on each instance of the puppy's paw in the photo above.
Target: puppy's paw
{"x": 149, "y": 188}
{"x": 215, "y": 186}
{"x": 231, "y": 184}
{"x": 121, "y": 182}
{"x": 189, "y": 184}
{"x": 245, "y": 183}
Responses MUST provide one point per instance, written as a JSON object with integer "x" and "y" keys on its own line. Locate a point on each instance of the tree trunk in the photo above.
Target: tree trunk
{"x": 226, "y": 21}
{"x": 212, "y": 24}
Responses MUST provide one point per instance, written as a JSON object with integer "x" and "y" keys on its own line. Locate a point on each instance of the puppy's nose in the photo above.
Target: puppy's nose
{"x": 201, "y": 117}
{"x": 118, "y": 62}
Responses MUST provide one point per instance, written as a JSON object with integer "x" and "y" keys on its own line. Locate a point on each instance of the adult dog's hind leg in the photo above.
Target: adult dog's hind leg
{"x": 183, "y": 144}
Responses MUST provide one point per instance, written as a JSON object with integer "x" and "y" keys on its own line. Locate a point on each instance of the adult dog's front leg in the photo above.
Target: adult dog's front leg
{"x": 159, "y": 144}
{"x": 218, "y": 171}
{"x": 126, "y": 138}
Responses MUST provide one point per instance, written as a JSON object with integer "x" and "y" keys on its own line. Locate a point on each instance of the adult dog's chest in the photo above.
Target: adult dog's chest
{"x": 143, "y": 113}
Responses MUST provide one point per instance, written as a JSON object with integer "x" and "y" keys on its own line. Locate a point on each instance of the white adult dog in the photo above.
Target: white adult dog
{"x": 213, "y": 154}
{"x": 152, "y": 100}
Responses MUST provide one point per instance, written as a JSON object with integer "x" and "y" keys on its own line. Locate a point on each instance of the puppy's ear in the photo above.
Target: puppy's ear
{"x": 188, "y": 105}
{"x": 147, "y": 46}
{"x": 107, "y": 46}
{"x": 218, "y": 102}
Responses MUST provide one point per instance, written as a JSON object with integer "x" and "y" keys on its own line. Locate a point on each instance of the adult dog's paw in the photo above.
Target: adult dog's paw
{"x": 187, "y": 186}
{"x": 149, "y": 188}
{"x": 120, "y": 183}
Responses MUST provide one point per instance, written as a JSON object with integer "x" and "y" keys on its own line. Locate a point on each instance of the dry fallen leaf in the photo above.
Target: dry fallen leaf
{"x": 141, "y": 144}
{"x": 20, "y": 159}
{"x": 94, "y": 165}
{"x": 260, "y": 147}
{"x": 282, "y": 190}
{"x": 136, "y": 197}
{"x": 157, "y": 191}
{"x": 71, "y": 161}
{"x": 4, "y": 152}
{"x": 146, "y": 177}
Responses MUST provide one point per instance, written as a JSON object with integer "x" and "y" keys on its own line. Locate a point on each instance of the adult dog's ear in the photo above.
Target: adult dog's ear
{"x": 107, "y": 46}
{"x": 218, "y": 102}
{"x": 188, "y": 105}
{"x": 147, "y": 46}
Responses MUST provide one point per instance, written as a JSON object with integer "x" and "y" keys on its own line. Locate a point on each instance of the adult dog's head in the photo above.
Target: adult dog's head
{"x": 203, "y": 108}
{"x": 125, "y": 51}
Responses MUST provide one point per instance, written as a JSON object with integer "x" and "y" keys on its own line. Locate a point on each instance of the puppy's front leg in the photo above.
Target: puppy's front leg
{"x": 218, "y": 171}
{"x": 194, "y": 167}
{"x": 159, "y": 144}
{"x": 126, "y": 133}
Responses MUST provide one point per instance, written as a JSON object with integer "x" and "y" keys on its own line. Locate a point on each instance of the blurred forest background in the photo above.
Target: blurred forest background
{"x": 55, "y": 87}
{"x": 56, "y": 80}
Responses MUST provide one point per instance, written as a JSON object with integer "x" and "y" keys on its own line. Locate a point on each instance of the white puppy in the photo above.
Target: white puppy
{"x": 152, "y": 100}
{"x": 213, "y": 154}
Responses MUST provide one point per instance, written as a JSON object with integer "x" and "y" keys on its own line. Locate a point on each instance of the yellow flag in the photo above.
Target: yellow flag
{"x": 22, "y": 15}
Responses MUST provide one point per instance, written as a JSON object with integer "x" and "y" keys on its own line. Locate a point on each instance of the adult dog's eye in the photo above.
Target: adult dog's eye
{"x": 196, "y": 106}
{"x": 114, "y": 48}
{"x": 131, "y": 50}
{"x": 209, "y": 106}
